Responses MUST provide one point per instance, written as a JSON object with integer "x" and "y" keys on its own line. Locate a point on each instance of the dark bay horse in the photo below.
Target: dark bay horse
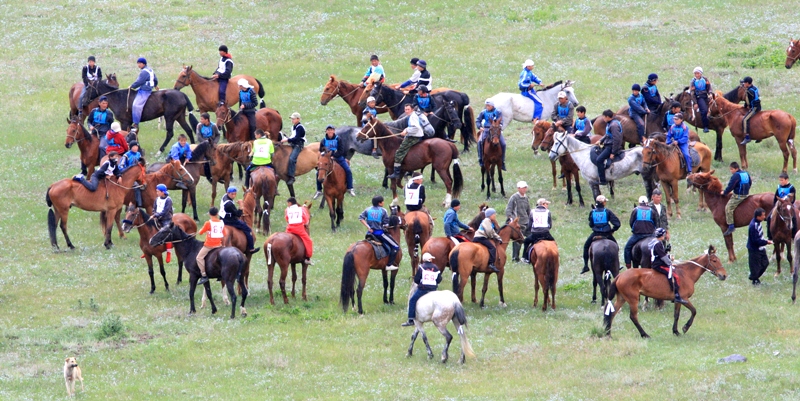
{"x": 604, "y": 254}
{"x": 94, "y": 91}
{"x": 190, "y": 172}
{"x": 206, "y": 90}
{"x": 264, "y": 184}
{"x": 360, "y": 259}
{"x": 88, "y": 144}
{"x": 492, "y": 160}
{"x": 632, "y": 283}
{"x": 669, "y": 165}
{"x": 468, "y": 259}
{"x": 744, "y": 212}
{"x": 543, "y": 133}
{"x": 237, "y": 128}
{"x": 332, "y": 176}
{"x": 435, "y": 151}
{"x": 716, "y": 124}
{"x": 440, "y": 247}
{"x": 780, "y": 227}
{"x": 544, "y": 258}
{"x": 107, "y": 199}
{"x": 418, "y": 230}
{"x": 285, "y": 249}
{"x": 764, "y": 124}
{"x": 350, "y": 93}
{"x": 224, "y": 263}
{"x": 792, "y": 52}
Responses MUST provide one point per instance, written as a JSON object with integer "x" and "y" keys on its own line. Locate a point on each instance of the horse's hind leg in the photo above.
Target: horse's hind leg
{"x": 232, "y": 294}
{"x": 282, "y": 281}
{"x": 294, "y": 279}
{"x": 119, "y": 225}
{"x": 485, "y": 287}
{"x": 305, "y": 269}
{"x": 500, "y": 180}
{"x": 391, "y": 287}
{"x": 413, "y": 339}
{"x": 634, "y": 305}
{"x": 448, "y": 338}
{"x": 427, "y": 345}
{"x": 163, "y": 273}
{"x": 149, "y": 259}
{"x": 385, "y": 286}
{"x": 245, "y": 292}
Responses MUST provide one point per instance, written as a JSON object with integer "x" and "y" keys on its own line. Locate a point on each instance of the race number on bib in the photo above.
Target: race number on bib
{"x": 412, "y": 196}
{"x": 429, "y": 277}
{"x": 295, "y": 216}
{"x": 261, "y": 151}
{"x": 217, "y": 229}
{"x": 539, "y": 219}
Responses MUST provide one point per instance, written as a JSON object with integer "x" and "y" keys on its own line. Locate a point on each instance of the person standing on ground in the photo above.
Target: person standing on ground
{"x": 519, "y": 207}
{"x": 756, "y": 247}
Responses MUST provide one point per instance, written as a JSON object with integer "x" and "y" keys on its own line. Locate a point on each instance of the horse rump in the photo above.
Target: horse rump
{"x": 347, "y": 291}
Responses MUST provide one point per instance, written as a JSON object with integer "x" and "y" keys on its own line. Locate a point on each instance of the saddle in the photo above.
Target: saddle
{"x": 377, "y": 246}
{"x": 692, "y": 154}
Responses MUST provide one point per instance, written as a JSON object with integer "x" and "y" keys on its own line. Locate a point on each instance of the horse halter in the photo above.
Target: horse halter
{"x": 328, "y": 170}
{"x": 708, "y": 263}
{"x": 559, "y": 142}
{"x": 131, "y": 222}
{"x": 789, "y": 51}
{"x": 75, "y": 135}
{"x": 184, "y": 79}
{"x": 181, "y": 174}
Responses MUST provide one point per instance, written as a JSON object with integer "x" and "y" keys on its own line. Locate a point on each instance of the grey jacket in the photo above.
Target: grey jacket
{"x": 519, "y": 207}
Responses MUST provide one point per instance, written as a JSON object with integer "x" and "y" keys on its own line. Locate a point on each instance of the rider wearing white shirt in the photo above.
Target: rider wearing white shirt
{"x": 412, "y": 135}
{"x": 427, "y": 278}
{"x": 415, "y": 193}
{"x": 541, "y": 223}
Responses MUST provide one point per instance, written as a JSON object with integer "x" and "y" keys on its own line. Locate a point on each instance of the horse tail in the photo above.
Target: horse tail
{"x": 458, "y": 178}
{"x": 51, "y": 218}
{"x": 461, "y": 318}
{"x": 347, "y": 292}
{"x": 417, "y": 229}
{"x": 261, "y": 94}
{"x": 550, "y": 270}
{"x": 454, "y": 268}
{"x": 608, "y": 315}
{"x": 268, "y": 252}
{"x": 469, "y": 117}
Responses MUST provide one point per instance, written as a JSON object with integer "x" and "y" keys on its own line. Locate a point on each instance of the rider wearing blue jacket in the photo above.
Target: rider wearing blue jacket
{"x": 427, "y": 279}
{"x": 144, "y": 85}
{"x": 452, "y": 225}
{"x": 247, "y": 105}
{"x": 752, "y": 101}
{"x": 375, "y": 218}
{"x": 527, "y": 80}
{"x": 423, "y": 101}
{"x": 643, "y": 223}
{"x": 650, "y": 93}
{"x": 331, "y": 143}
{"x": 669, "y": 118}
{"x": 679, "y": 133}
{"x": 484, "y": 122}
{"x": 603, "y": 223}
{"x": 739, "y": 184}
{"x": 100, "y": 118}
{"x": 637, "y": 110}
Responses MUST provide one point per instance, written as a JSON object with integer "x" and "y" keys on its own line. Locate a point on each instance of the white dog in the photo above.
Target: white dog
{"x": 72, "y": 373}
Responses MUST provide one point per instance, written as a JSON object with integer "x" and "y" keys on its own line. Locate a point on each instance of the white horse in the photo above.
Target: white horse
{"x": 440, "y": 307}
{"x": 630, "y": 163}
{"x": 520, "y": 108}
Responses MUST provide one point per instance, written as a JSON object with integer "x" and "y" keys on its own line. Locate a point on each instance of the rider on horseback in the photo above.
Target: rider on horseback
{"x": 297, "y": 141}
{"x": 375, "y": 218}
{"x": 784, "y": 189}
{"x": 638, "y": 110}
{"x": 91, "y": 74}
{"x": 131, "y": 157}
{"x": 582, "y": 128}
{"x": 484, "y": 120}
{"x": 603, "y": 223}
{"x": 669, "y": 118}
{"x": 260, "y": 154}
{"x": 662, "y": 263}
{"x": 223, "y": 72}
{"x": 662, "y": 218}
{"x": 108, "y": 169}
{"x": 423, "y": 102}
{"x": 752, "y": 102}
{"x": 411, "y": 84}
{"x": 374, "y": 68}
{"x": 330, "y": 143}
{"x": 739, "y": 184}
{"x": 162, "y": 207}
{"x": 230, "y": 216}
{"x": 297, "y": 219}
{"x": 486, "y": 232}
{"x": 144, "y": 84}
{"x": 427, "y": 278}
{"x": 412, "y": 135}
{"x": 563, "y": 112}
{"x": 679, "y": 133}
{"x": 370, "y": 109}
{"x": 650, "y": 93}
{"x": 215, "y": 230}
{"x": 207, "y": 131}
{"x": 643, "y": 224}
{"x": 527, "y": 80}
{"x": 247, "y": 104}
{"x": 414, "y": 193}
{"x": 100, "y": 118}
{"x": 541, "y": 223}
{"x": 611, "y": 145}
{"x": 700, "y": 87}
{"x": 452, "y": 225}
{"x": 424, "y": 74}
{"x": 115, "y": 141}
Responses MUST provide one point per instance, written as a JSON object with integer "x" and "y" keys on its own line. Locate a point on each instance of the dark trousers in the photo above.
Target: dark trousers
{"x": 758, "y": 261}
{"x": 639, "y": 120}
{"x": 412, "y": 302}
{"x": 702, "y": 107}
{"x": 251, "y": 121}
{"x": 250, "y": 168}
{"x": 584, "y": 139}
{"x": 588, "y": 244}
{"x": 244, "y": 228}
{"x": 391, "y": 247}
{"x": 629, "y": 246}
{"x": 746, "y": 119}
{"x": 515, "y": 246}
{"x": 93, "y": 181}
{"x": 489, "y": 246}
{"x": 532, "y": 239}
{"x": 296, "y": 149}
{"x": 223, "y": 87}
{"x": 794, "y": 225}
{"x": 601, "y": 162}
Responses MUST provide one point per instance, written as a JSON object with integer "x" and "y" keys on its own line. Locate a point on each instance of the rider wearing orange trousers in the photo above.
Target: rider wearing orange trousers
{"x": 298, "y": 218}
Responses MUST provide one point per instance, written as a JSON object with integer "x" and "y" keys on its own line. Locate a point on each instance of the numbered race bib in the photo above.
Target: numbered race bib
{"x": 540, "y": 219}
{"x": 412, "y": 196}
{"x": 217, "y": 228}
{"x": 261, "y": 151}
{"x": 429, "y": 277}
{"x": 294, "y": 215}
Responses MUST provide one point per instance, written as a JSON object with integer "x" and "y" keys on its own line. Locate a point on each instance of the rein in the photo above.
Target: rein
{"x": 339, "y": 92}
{"x": 714, "y": 103}
{"x": 701, "y": 266}
{"x": 128, "y": 188}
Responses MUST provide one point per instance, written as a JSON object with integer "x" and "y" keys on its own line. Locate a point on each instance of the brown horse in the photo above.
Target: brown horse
{"x": 190, "y": 173}
{"x": 222, "y": 167}
{"x": 492, "y": 160}
{"x": 544, "y": 259}
{"x": 350, "y": 93}
{"x": 744, "y": 212}
{"x": 716, "y": 124}
{"x": 468, "y": 259}
{"x": 780, "y": 227}
{"x": 306, "y": 161}
{"x": 107, "y": 199}
{"x": 285, "y": 249}
{"x": 88, "y": 144}
{"x": 360, "y": 259}
{"x": 763, "y": 125}
{"x": 138, "y": 218}
{"x": 93, "y": 92}
{"x": 440, "y": 247}
{"x": 206, "y": 90}
{"x": 332, "y": 176}
{"x": 543, "y": 133}
{"x": 632, "y": 283}
{"x": 418, "y": 229}
{"x": 438, "y": 152}
{"x": 670, "y": 168}
{"x": 792, "y": 52}
{"x": 237, "y": 128}
{"x": 264, "y": 184}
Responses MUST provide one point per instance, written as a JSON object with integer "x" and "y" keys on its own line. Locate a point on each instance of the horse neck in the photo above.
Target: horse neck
{"x": 88, "y": 139}
{"x": 145, "y": 230}
{"x": 393, "y": 99}
{"x": 714, "y": 200}
{"x": 505, "y": 234}
{"x": 186, "y": 247}
{"x": 692, "y": 271}
{"x": 131, "y": 175}
{"x": 727, "y": 109}
{"x": 349, "y": 92}
{"x": 386, "y": 141}
{"x": 200, "y": 84}
{"x": 577, "y": 151}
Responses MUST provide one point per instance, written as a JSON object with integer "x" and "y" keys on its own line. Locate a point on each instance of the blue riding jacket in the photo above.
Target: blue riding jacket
{"x": 376, "y": 217}
{"x": 679, "y": 134}
{"x": 486, "y": 117}
{"x": 177, "y": 151}
{"x": 637, "y": 105}
{"x": 739, "y": 183}
{"x": 526, "y": 78}
{"x": 247, "y": 98}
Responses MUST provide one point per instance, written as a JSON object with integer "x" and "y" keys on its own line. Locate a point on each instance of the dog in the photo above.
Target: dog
{"x": 72, "y": 373}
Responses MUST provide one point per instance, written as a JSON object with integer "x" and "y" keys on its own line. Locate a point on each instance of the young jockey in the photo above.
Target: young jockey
{"x": 423, "y": 102}
{"x": 424, "y": 74}
{"x": 603, "y": 223}
{"x": 207, "y": 131}
{"x": 115, "y": 141}
{"x": 261, "y": 155}
{"x": 411, "y": 84}
{"x": 427, "y": 278}
{"x": 785, "y": 189}
{"x": 100, "y": 118}
{"x": 527, "y": 80}
{"x": 485, "y": 233}
{"x": 563, "y": 113}
{"x": 162, "y": 207}
{"x": 582, "y": 129}
{"x": 638, "y": 110}
{"x": 297, "y": 219}
{"x": 662, "y": 263}
{"x": 369, "y": 110}
{"x": 484, "y": 121}
{"x": 669, "y": 118}
{"x": 90, "y": 74}
{"x": 752, "y": 102}
{"x": 247, "y": 105}
{"x": 375, "y": 218}
{"x": 643, "y": 224}
{"x": 700, "y": 87}
{"x": 297, "y": 141}
{"x": 223, "y": 72}
{"x": 611, "y": 145}
{"x": 215, "y": 231}
{"x": 131, "y": 157}
{"x": 230, "y": 216}
{"x": 330, "y": 143}
{"x": 180, "y": 150}
{"x": 739, "y": 184}
{"x": 679, "y": 133}
{"x": 414, "y": 193}
{"x": 541, "y": 223}
{"x": 452, "y": 225}
{"x": 756, "y": 247}
{"x": 108, "y": 169}
{"x": 144, "y": 86}
{"x": 411, "y": 136}
{"x": 650, "y": 93}
{"x": 374, "y": 68}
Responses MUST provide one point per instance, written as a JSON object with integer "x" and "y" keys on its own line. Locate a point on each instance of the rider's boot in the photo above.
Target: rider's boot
{"x": 493, "y": 268}
{"x": 203, "y": 280}
{"x": 396, "y": 174}
{"x": 409, "y": 322}
{"x": 730, "y": 231}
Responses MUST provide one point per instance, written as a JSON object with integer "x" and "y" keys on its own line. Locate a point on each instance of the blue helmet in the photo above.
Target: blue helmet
{"x": 652, "y": 77}
{"x": 660, "y": 232}
{"x": 636, "y": 87}
{"x": 142, "y": 60}
{"x": 162, "y": 188}
{"x": 231, "y": 189}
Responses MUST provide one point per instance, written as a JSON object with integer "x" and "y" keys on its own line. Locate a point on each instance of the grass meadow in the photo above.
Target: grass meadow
{"x": 94, "y": 304}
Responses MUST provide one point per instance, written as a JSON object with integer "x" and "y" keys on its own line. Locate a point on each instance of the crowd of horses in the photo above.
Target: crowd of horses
{"x": 655, "y": 161}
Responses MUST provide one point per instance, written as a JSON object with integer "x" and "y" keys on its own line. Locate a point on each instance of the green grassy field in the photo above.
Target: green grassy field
{"x": 94, "y": 304}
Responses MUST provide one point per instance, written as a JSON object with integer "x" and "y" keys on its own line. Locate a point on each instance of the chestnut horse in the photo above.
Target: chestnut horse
{"x": 440, "y": 247}
{"x": 438, "y": 152}
{"x": 468, "y": 259}
{"x": 744, "y": 212}
{"x": 492, "y": 160}
{"x": 716, "y": 124}
{"x": 138, "y": 218}
{"x": 224, "y": 156}
{"x": 264, "y": 184}
{"x": 632, "y": 283}
{"x": 792, "y": 52}
{"x": 360, "y": 259}
{"x": 92, "y": 93}
{"x": 285, "y": 249}
{"x": 88, "y": 144}
{"x": 418, "y": 229}
{"x": 670, "y": 167}
{"x": 107, "y": 199}
{"x": 543, "y": 133}
{"x": 332, "y": 176}
{"x": 544, "y": 258}
{"x": 206, "y": 90}
{"x": 237, "y": 128}
{"x": 350, "y": 93}
{"x": 780, "y": 227}
{"x": 763, "y": 125}
{"x": 306, "y": 161}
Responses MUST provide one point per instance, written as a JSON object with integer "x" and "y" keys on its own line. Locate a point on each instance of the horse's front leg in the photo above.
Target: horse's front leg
{"x": 676, "y": 317}
{"x": 413, "y": 339}
{"x": 553, "y": 170}
{"x": 691, "y": 319}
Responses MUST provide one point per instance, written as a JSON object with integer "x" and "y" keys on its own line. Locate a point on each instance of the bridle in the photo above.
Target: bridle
{"x": 181, "y": 174}
{"x": 131, "y": 222}
{"x": 789, "y": 52}
{"x": 379, "y": 96}
{"x": 184, "y": 78}
{"x": 80, "y": 128}
{"x": 328, "y": 169}
{"x": 655, "y": 151}
{"x": 338, "y": 91}
{"x": 172, "y": 234}
{"x": 708, "y": 263}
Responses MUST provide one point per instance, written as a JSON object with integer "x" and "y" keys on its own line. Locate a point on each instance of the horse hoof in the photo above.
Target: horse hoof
{"x": 152, "y": 291}
{"x": 777, "y": 274}
{"x": 503, "y": 304}
{"x": 677, "y": 334}
{"x": 213, "y": 311}
{"x": 594, "y": 301}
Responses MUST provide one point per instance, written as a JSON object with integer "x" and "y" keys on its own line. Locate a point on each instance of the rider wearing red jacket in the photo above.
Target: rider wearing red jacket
{"x": 298, "y": 218}
{"x": 116, "y": 142}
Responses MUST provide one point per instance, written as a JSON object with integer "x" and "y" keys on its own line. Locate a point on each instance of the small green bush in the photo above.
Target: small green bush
{"x": 111, "y": 327}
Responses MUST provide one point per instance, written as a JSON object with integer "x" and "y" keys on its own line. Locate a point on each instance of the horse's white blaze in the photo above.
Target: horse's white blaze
{"x": 518, "y": 107}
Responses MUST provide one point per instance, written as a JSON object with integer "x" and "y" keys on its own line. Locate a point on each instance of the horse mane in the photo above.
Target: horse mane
{"x": 476, "y": 221}
{"x": 714, "y": 184}
{"x": 200, "y": 151}
{"x": 146, "y": 218}
{"x": 732, "y": 96}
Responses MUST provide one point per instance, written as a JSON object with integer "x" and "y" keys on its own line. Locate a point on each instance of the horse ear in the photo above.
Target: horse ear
{"x": 711, "y": 172}
{"x": 333, "y": 78}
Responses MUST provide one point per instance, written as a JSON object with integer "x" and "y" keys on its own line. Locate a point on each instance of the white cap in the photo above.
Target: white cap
{"x": 642, "y": 199}
{"x": 116, "y": 127}
{"x": 370, "y": 99}
{"x": 542, "y": 201}
{"x": 698, "y": 69}
{"x": 601, "y": 198}
{"x": 244, "y": 82}
{"x": 427, "y": 257}
{"x": 562, "y": 94}
{"x": 527, "y": 63}
{"x": 295, "y": 115}
{"x": 522, "y": 184}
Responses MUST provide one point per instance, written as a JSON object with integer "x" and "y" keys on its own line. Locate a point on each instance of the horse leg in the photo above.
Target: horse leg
{"x": 433, "y": 175}
{"x": 385, "y": 183}
{"x": 214, "y": 191}
{"x": 385, "y": 286}
{"x": 339, "y": 211}
{"x": 294, "y": 278}
{"x": 64, "y": 231}
{"x": 500, "y": 180}
{"x": 743, "y": 155}
{"x": 270, "y": 272}
{"x": 472, "y": 279}
{"x": 413, "y": 339}
{"x": 331, "y": 212}
{"x": 535, "y": 289}
{"x": 483, "y": 176}
{"x": 634, "y": 305}
{"x": 718, "y": 150}
{"x": 362, "y": 281}
{"x": 192, "y": 288}
{"x": 577, "y": 178}
{"x": 109, "y": 224}
{"x": 485, "y": 288}
{"x": 794, "y": 283}
{"x": 777, "y": 249}
{"x": 149, "y": 259}
{"x": 595, "y": 189}
{"x": 193, "y": 194}
{"x": 282, "y": 281}
{"x": 119, "y": 225}
{"x": 785, "y": 151}
{"x": 305, "y": 270}
{"x": 166, "y": 141}
{"x": 391, "y": 287}
{"x": 245, "y": 292}
{"x": 553, "y": 171}
{"x": 691, "y": 318}
{"x": 448, "y": 338}
{"x": 427, "y": 345}
{"x": 595, "y": 282}
{"x": 232, "y": 294}
{"x": 729, "y": 246}
{"x": 500, "y": 289}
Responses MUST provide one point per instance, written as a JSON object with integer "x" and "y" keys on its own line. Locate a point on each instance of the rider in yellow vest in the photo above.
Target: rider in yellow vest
{"x": 261, "y": 155}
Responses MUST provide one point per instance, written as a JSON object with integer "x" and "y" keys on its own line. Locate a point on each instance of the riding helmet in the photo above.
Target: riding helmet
{"x": 747, "y": 80}
{"x": 422, "y": 63}
{"x": 91, "y": 58}
{"x": 231, "y": 189}
{"x": 223, "y": 48}
{"x": 423, "y": 88}
{"x": 660, "y": 232}
{"x": 652, "y": 77}
{"x": 162, "y": 188}
{"x": 636, "y": 87}
{"x": 142, "y": 60}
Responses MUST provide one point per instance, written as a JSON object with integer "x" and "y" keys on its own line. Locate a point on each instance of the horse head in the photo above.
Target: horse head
{"x": 495, "y": 131}
{"x": 179, "y": 173}
{"x": 538, "y": 132}
{"x": 170, "y": 233}
{"x": 559, "y": 146}
{"x": 792, "y": 53}
{"x": 370, "y": 129}
{"x": 452, "y": 114}
{"x": 570, "y": 91}
{"x": 375, "y": 92}
{"x": 714, "y": 264}
{"x": 705, "y": 181}
{"x": 184, "y": 78}
{"x": 224, "y": 115}
{"x": 75, "y": 132}
{"x": 516, "y": 230}
{"x": 111, "y": 80}
{"x": 784, "y": 208}
{"x": 135, "y": 217}
{"x": 324, "y": 166}
{"x": 330, "y": 91}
